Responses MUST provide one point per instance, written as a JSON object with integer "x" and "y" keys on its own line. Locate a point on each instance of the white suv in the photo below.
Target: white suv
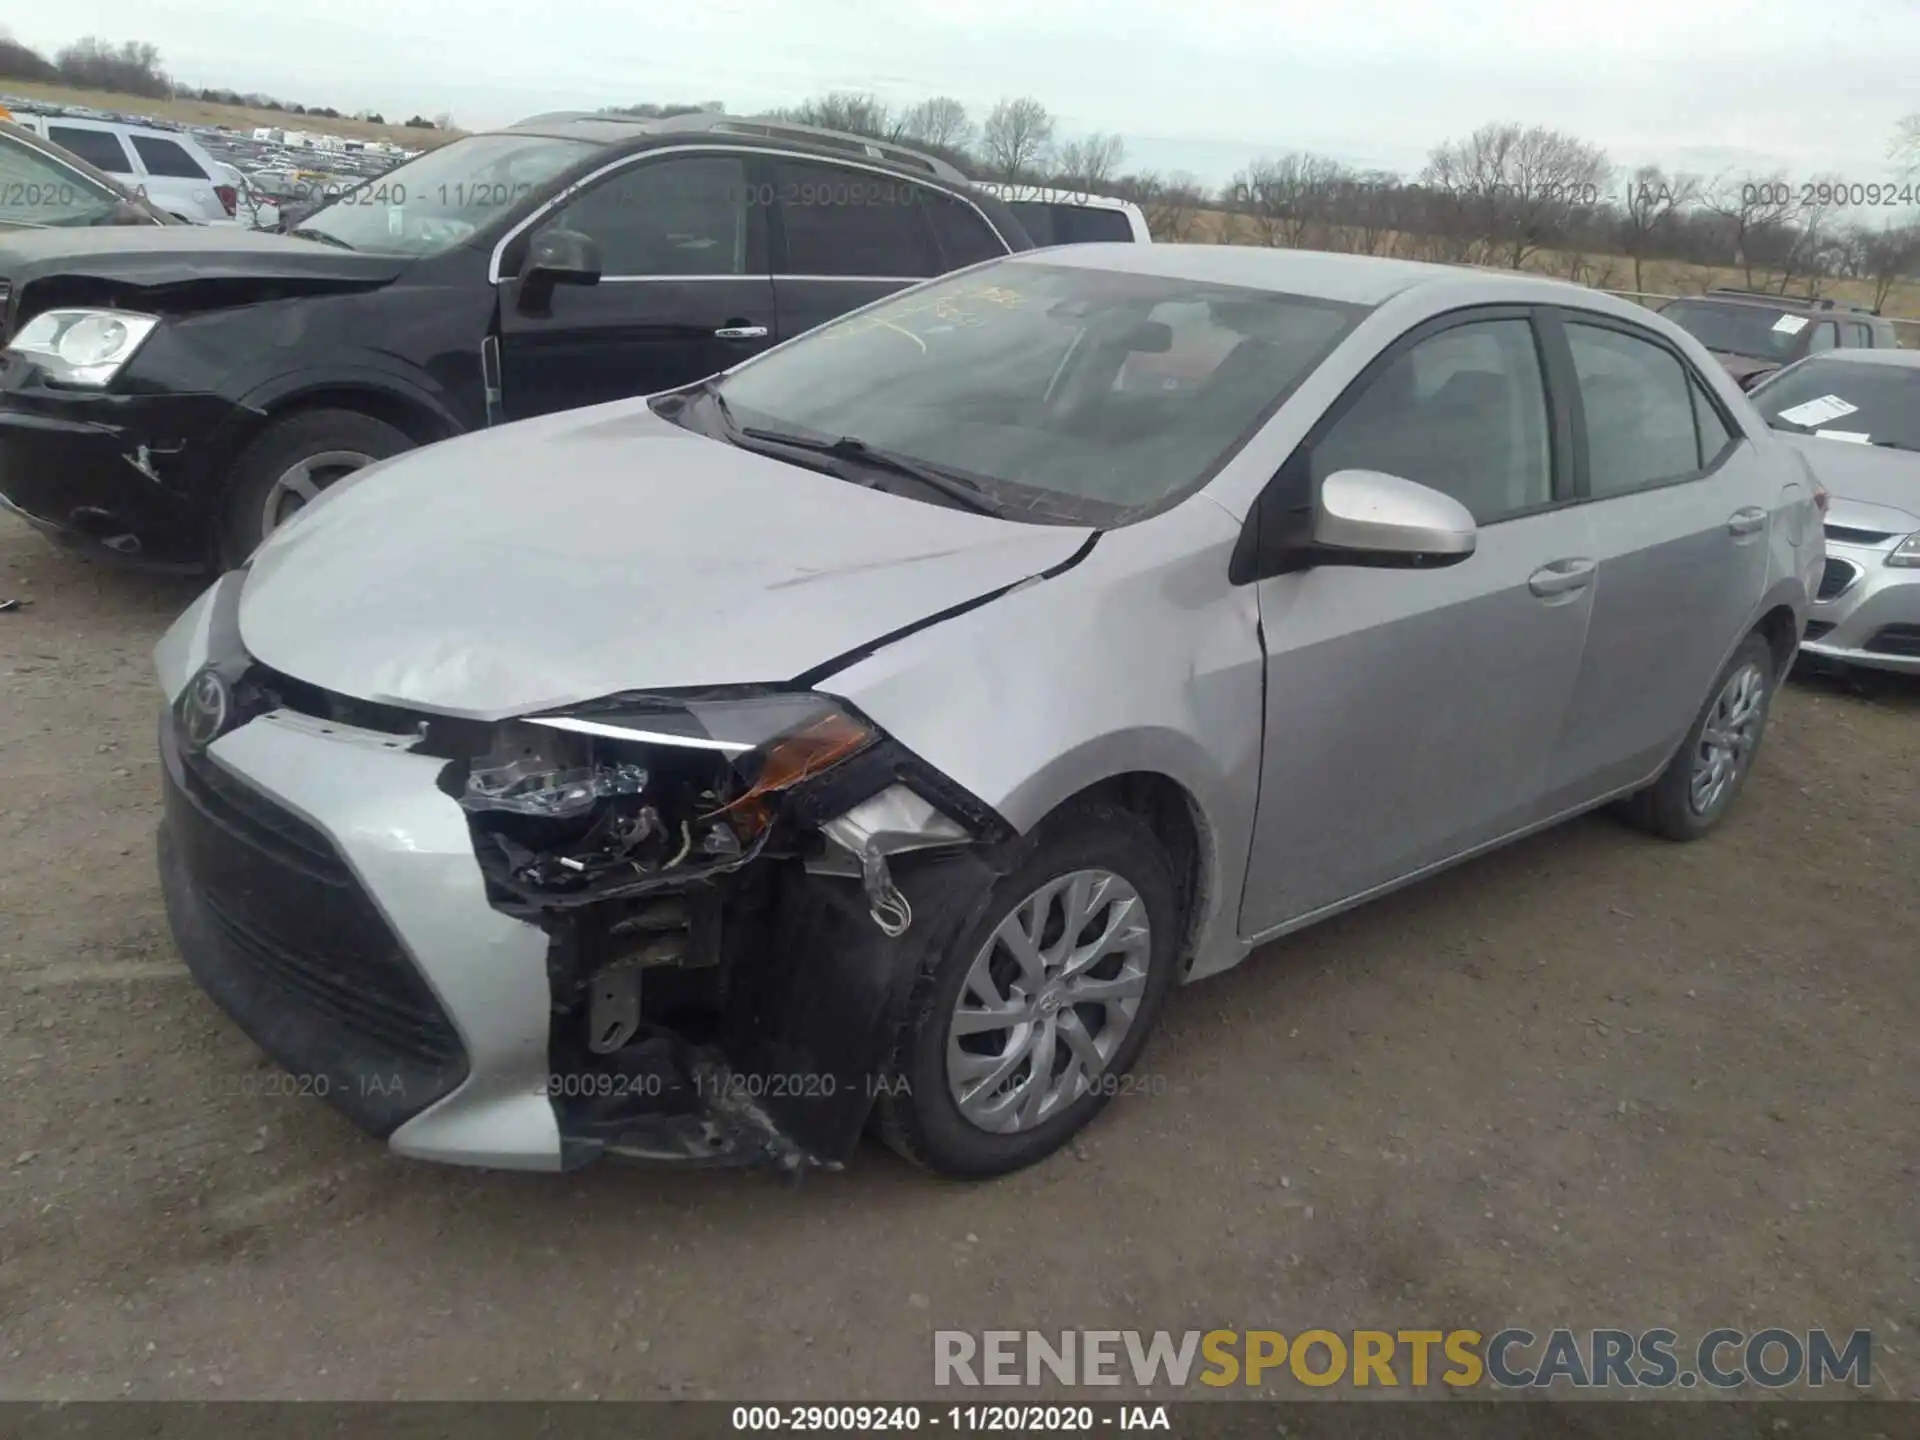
{"x": 167, "y": 166}
{"x": 1070, "y": 217}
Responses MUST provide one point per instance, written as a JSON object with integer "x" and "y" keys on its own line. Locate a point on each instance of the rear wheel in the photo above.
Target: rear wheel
{"x": 1023, "y": 1026}
{"x": 288, "y": 464}
{"x": 1696, "y": 789}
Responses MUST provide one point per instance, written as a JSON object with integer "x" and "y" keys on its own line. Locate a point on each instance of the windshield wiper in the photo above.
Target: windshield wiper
{"x": 303, "y": 233}
{"x": 961, "y": 491}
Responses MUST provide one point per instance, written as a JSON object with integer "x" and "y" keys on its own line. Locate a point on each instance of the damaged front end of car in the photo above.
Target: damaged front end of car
{"x": 714, "y": 872}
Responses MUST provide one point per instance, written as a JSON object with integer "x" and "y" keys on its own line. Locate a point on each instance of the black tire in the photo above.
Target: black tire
{"x": 915, "y": 1113}
{"x": 1666, "y": 807}
{"x": 241, "y": 524}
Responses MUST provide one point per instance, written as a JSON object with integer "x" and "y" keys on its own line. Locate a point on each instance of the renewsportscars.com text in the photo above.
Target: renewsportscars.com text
{"x": 1509, "y": 1359}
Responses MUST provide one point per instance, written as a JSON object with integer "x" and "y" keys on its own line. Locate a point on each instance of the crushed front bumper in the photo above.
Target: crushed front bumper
{"x": 114, "y": 475}
{"x": 1866, "y": 612}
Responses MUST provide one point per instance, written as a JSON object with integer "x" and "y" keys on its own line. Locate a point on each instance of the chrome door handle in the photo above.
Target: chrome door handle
{"x": 1562, "y": 577}
{"x": 741, "y": 332}
{"x": 1747, "y": 521}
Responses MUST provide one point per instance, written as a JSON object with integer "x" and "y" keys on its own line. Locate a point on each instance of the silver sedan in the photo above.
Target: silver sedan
{"x": 871, "y": 737}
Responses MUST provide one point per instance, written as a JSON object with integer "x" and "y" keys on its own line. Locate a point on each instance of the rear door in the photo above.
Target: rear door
{"x": 684, "y": 287}
{"x": 1413, "y": 715}
{"x": 1680, "y": 512}
{"x": 843, "y": 236}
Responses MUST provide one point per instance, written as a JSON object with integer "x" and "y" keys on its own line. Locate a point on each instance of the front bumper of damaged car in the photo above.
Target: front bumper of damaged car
{"x": 325, "y": 885}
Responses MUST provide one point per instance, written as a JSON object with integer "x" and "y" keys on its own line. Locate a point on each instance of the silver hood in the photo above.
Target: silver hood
{"x": 570, "y": 557}
{"x": 1874, "y": 487}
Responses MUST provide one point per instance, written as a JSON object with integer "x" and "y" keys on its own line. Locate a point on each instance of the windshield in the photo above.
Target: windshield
{"x": 37, "y": 190}
{"x": 432, "y": 203}
{"x": 1872, "y": 404}
{"x": 1059, "y": 388}
{"x": 1758, "y": 332}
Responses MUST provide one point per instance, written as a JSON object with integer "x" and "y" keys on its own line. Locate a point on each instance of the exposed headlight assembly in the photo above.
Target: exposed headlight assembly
{"x": 1907, "y": 552}
{"x": 83, "y": 347}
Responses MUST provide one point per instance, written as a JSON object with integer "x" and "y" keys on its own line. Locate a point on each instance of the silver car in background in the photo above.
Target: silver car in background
{"x": 1855, "y": 415}
{"x": 872, "y": 736}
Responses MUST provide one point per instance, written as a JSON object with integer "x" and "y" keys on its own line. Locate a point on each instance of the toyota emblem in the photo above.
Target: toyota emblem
{"x": 206, "y": 708}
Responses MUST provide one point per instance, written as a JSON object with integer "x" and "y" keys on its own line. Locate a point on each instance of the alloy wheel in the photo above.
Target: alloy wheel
{"x": 303, "y": 481}
{"x": 1048, "y": 1000}
{"x": 1727, "y": 739}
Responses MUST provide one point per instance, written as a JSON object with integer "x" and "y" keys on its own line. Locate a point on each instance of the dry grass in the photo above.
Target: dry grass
{"x": 243, "y": 118}
{"x": 1613, "y": 272}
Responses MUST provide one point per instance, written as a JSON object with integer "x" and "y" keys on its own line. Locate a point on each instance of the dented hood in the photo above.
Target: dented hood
{"x": 178, "y": 254}
{"x": 567, "y": 558}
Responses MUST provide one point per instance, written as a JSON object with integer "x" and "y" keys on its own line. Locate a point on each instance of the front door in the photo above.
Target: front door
{"x": 1412, "y": 715}
{"x": 684, "y": 289}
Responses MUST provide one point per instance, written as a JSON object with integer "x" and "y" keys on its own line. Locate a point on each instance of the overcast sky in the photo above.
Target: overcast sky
{"x": 1804, "y": 86}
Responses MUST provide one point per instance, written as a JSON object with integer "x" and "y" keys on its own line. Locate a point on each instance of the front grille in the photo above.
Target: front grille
{"x": 1817, "y": 628}
{"x": 283, "y": 934}
{"x": 1853, "y": 535}
{"x": 1895, "y": 640}
{"x": 1834, "y": 580}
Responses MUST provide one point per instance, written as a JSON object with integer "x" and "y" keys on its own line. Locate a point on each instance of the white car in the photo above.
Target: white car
{"x": 1070, "y": 217}
{"x": 168, "y": 167}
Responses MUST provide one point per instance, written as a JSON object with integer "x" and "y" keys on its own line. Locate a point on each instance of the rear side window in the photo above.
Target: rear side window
{"x": 100, "y": 148}
{"x": 843, "y": 221}
{"x": 1640, "y": 411}
{"x": 1825, "y": 337}
{"x": 685, "y": 216}
{"x": 163, "y": 157}
{"x": 1060, "y": 223}
{"x": 964, "y": 237}
{"x": 1862, "y": 335}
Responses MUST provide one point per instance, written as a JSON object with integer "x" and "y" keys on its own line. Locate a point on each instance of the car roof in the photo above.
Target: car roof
{"x": 1794, "y": 304}
{"x": 1324, "y": 275}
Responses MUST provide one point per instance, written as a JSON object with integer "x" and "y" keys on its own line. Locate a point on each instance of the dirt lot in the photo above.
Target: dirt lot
{"x": 1593, "y": 1080}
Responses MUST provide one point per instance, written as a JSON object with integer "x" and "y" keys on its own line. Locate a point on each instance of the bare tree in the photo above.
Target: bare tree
{"x": 1171, "y": 206}
{"x": 1755, "y": 211}
{"x": 848, "y": 110}
{"x": 942, "y": 121}
{"x": 1652, "y": 200}
{"x": 1905, "y": 150}
{"x": 1522, "y": 185}
{"x": 1287, "y": 200}
{"x": 1091, "y": 164}
{"x": 1886, "y": 257}
{"x": 1017, "y": 137}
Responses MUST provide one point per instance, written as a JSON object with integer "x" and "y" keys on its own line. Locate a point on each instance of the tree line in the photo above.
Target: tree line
{"x": 1512, "y": 195}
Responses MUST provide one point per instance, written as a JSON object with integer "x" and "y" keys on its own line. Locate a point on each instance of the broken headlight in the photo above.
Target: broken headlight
{"x": 622, "y": 790}
{"x": 83, "y": 347}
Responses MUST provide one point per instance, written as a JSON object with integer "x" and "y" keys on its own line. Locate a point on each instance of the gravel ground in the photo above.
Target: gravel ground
{"x": 1595, "y": 1079}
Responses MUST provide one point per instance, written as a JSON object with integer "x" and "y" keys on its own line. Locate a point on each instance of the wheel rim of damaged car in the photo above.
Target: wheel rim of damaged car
{"x": 1726, "y": 740}
{"x": 1048, "y": 1000}
{"x": 304, "y": 480}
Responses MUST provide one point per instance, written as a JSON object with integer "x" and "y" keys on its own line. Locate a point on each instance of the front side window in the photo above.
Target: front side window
{"x": 100, "y": 148}
{"x": 1640, "y": 417}
{"x": 434, "y": 202}
{"x": 37, "y": 190}
{"x": 1858, "y": 401}
{"x": 1022, "y": 376}
{"x": 965, "y": 238}
{"x": 1862, "y": 336}
{"x": 843, "y": 221}
{"x": 1463, "y": 411}
{"x": 164, "y": 157}
{"x": 678, "y": 216}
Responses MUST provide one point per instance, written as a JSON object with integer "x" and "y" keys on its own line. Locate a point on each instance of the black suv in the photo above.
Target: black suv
{"x": 1753, "y": 333}
{"x": 170, "y": 395}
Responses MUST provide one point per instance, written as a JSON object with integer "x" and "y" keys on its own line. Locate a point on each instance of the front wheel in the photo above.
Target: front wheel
{"x": 1025, "y": 1025}
{"x": 1694, "y": 792}
{"x": 288, "y": 464}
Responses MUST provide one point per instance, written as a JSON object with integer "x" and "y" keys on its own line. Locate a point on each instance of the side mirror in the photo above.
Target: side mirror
{"x": 556, "y": 257}
{"x": 1752, "y": 378}
{"x": 1367, "y": 517}
{"x": 1360, "y": 517}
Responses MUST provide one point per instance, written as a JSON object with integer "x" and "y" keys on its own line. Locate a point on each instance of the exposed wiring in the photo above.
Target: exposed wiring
{"x": 686, "y": 844}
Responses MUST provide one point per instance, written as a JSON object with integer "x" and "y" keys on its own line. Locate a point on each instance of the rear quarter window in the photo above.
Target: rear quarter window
{"x": 164, "y": 157}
